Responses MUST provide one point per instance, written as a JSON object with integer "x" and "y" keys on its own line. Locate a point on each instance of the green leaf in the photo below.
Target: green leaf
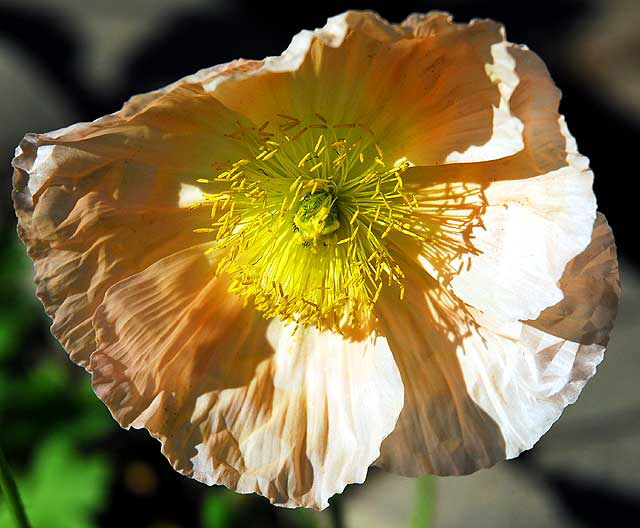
{"x": 302, "y": 518}
{"x": 425, "y": 502}
{"x": 12, "y": 325}
{"x": 64, "y": 489}
{"x": 217, "y": 508}
{"x": 16, "y": 285}
{"x": 47, "y": 400}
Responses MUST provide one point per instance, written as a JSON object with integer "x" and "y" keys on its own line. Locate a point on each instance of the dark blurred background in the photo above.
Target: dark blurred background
{"x": 63, "y": 61}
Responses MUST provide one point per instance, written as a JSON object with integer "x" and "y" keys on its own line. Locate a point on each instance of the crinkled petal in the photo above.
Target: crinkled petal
{"x": 97, "y": 202}
{"x": 530, "y": 230}
{"x": 493, "y": 65}
{"x": 522, "y": 377}
{"x": 441, "y": 429}
{"x": 591, "y": 293}
{"x": 294, "y": 415}
{"x": 139, "y": 156}
{"x": 431, "y": 91}
{"x": 525, "y": 215}
{"x": 478, "y": 390}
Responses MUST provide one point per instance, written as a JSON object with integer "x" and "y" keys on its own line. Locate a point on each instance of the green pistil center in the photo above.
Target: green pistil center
{"x": 316, "y": 219}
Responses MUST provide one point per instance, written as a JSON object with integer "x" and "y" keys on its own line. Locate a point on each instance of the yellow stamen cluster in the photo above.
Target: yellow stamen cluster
{"x": 304, "y": 221}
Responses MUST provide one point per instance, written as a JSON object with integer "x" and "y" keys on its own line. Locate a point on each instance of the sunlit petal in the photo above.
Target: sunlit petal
{"x": 425, "y": 95}
{"x": 478, "y": 390}
{"x": 293, "y": 415}
{"x": 524, "y": 216}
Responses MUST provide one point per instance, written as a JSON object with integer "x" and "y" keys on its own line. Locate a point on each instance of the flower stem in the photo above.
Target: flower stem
{"x": 10, "y": 490}
{"x": 425, "y": 502}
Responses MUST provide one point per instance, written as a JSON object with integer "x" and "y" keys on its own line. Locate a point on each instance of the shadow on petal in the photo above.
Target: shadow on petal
{"x": 98, "y": 202}
{"x": 591, "y": 287}
{"x": 405, "y": 88}
{"x": 516, "y": 221}
{"x": 441, "y": 430}
{"x": 292, "y": 414}
{"x": 172, "y": 332}
{"x": 479, "y": 390}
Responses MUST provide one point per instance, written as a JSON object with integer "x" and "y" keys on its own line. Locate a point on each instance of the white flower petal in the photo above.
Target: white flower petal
{"x": 530, "y": 230}
{"x": 478, "y": 390}
{"x": 98, "y": 202}
{"x": 294, "y": 416}
{"x": 537, "y": 208}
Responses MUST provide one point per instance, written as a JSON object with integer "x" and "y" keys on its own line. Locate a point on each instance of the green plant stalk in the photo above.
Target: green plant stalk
{"x": 425, "y": 502}
{"x": 10, "y": 490}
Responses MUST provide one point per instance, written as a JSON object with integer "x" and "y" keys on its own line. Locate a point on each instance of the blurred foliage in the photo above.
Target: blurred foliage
{"x": 218, "y": 508}
{"x": 304, "y": 518}
{"x": 63, "y": 488}
{"x": 45, "y": 413}
{"x": 222, "y": 508}
{"x": 18, "y": 309}
{"x": 32, "y": 382}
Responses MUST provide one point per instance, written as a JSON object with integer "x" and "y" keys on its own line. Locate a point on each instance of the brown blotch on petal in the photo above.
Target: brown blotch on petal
{"x": 591, "y": 287}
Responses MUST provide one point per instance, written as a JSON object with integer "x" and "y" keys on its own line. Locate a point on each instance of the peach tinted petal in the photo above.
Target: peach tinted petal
{"x": 97, "y": 202}
{"x": 80, "y": 255}
{"x": 441, "y": 429}
{"x": 535, "y": 102}
{"x": 591, "y": 288}
{"x": 499, "y": 68}
{"x": 506, "y": 383}
{"x": 528, "y": 215}
{"x": 423, "y": 94}
{"x": 291, "y": 415}
{"x": 139, "y": 156}
{"x": 530, "y": 230}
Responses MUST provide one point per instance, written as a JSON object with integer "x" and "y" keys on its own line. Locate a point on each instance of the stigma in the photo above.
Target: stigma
{"x": 304, "y": 221}
{"x": 316, "y": 220}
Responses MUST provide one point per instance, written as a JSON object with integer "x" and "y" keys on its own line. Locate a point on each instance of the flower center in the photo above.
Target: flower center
{"x": 316, "y": 219}
{"x": 304, "y": 219}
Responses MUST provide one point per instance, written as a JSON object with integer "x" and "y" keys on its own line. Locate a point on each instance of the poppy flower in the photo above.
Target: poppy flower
{"x": 379, "y": 248}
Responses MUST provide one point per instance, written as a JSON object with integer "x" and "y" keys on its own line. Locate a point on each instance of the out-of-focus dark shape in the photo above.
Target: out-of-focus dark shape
{"x": 592, "y": 503}
{"x": 604, "y": 52}
{"x": 140, "y": 478}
